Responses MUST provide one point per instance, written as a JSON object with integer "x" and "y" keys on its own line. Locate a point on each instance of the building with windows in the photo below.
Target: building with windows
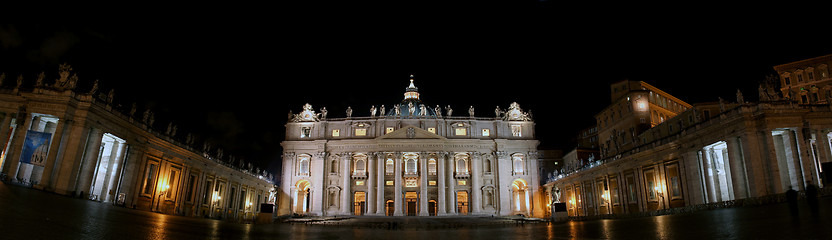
{"x": 410, "y": 160}
{"x": 74, "y": 143}
{"x": 806, "y": 81}
{"x": 706, "y": 153}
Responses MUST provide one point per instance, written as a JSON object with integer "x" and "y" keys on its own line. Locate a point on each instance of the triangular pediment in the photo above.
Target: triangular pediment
{"x": 411, "y": 132}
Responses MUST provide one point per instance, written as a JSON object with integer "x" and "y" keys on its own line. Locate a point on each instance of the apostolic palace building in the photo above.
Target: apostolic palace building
{"x": 658, "y": 152}
{"x": 410, "y": 159}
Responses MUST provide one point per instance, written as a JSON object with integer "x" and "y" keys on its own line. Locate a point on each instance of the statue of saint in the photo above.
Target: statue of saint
{"x": 323, "y": 112}
{"x": 740, "y": 99}
{"x": 382, "y": 111}
{"x": 410, "y": 108}
{"x": 398, "y": 109}
{"x": 373, "y": 111}
{"x": 423, "y": 111}
{"x": 498, "y": 112}
{"x": 349, "y": 111}
{"x": 449, "y": 110}
{"x": 438, "y": 111}
{"x": 471, "y": 111}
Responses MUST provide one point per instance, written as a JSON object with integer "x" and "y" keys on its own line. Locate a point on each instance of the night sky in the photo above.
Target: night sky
{"x": 233, "y": 85}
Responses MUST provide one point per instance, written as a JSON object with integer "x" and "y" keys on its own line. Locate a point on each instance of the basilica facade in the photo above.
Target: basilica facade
{"x": 410, "y": 159}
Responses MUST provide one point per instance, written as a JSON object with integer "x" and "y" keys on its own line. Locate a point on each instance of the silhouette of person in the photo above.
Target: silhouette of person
{"x": 812, "y": 197}
{"x": 791, "y": 198}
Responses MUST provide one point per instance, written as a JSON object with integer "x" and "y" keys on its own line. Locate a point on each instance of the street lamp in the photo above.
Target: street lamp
{"x": 161, "y": 195}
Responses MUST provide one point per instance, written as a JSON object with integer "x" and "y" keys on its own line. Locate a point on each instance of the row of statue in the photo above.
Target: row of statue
{"x": 514, "y": 113}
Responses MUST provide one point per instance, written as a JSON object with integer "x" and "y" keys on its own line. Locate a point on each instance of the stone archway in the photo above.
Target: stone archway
{"x": 301, "y": 199}
{"x": 520, "y": 202}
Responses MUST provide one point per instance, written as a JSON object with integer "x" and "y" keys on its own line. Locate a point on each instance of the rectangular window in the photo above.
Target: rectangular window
{"x": 389, "y": 130}
{"x": 788, "y": 81}
{"x": 336, "y": 132}
{"x": 799, "y": 77}
{"x": 231, "y": 198}
{"x": 150, "y": 178}
{"x": 614, "y": 191}
{"x": 172, "y": 183}
{"x": 461, "y": 131}
{"x": 388, "y": 183}
{"x": 461, "y": 182}
{"x": 811, "y": 76}
{"x": 305, "y": 132}
{"x": 516, "y": 130}
{"x": 432, "y": 130}
{"x": 359, "y": 183}
{"x": 206, "y": 196}
{"x": 411, "y": 183}
{"x": 650, "y": 185}
{"x": 242, "y": 199}
{"x": 432, "y": 183}
{"x": 486, "y": 132}
{"x": 191, "y": 188}
{"x": 361, "y": 132}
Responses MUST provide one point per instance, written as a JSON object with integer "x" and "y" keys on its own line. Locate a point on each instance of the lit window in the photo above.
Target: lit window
{"x": 518, "y": 163}
{"x": 389, "y": 167}
{"x": 432, "y": 130}
{"x": 359, "y": 183}
{"x": 388, "y": 183}
{"x": 336, "y": 133}
{"x": 303, "y": 165}
{"x": 389, "y": 130}
{"x": 461, "y": 182}
{"x": 410, "y": 167}
{"x": 461, "y": 132}
{"x": 432, "y": 183}
{"x": 486, "y": 132}
{"x": 361, "y": 132}
{"x": 516, "y": 130}
{"x": 411, "y": 183}
{"x": 432, "y": 166}
{"x": 305, "y": 132}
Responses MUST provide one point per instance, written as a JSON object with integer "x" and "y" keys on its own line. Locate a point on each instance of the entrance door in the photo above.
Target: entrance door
{"x": 432, "y": 207}
{"x": 359, "y": 204}
{"x": 411, "y": 199}
{"x": 390, "y": 207}
{"x": 462, "y": 202}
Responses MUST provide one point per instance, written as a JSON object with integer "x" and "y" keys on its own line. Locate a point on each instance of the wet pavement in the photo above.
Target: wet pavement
{"x": 32, "y": 214}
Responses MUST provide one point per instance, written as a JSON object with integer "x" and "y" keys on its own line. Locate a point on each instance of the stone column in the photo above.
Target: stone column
{"x": 108, "y": 174}
{"x": 371, "y": 191}
{"x": 380, "y": 203}
{"x": 694, "y": 185}
{"x": 708, "y": 171}
{"x": 90, "y": 162}
{"x": 806, "y": 161}
{"x": 398, "y": 201}
{"x": 5, "y": 124}
{"x": 822, "y": 144}
{"x": 316, "y": 173}
{"x": 737, "y": 162}
{"x": 476, "y": 185}
{"x": 346, "y": 192}
{"x": 441, "y": 199}
{"x": 797, "y": 159}
{"x": 15, "y": 147}
{"x": 451, "y": 194}
{"x": 423, "y": 184}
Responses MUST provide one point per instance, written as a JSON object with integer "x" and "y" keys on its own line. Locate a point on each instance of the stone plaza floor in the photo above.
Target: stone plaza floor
{"x": 33, "y": 214}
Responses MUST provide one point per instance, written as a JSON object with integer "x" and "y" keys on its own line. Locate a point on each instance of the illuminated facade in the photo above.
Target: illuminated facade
{"x": 77, "y": 143}
{"x": 410, "y": 159}
{"x": 706, "y": 154}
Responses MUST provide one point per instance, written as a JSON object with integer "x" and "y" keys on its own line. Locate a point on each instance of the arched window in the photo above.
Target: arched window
{"x": 461, "y": 161}
{"x": 333, "y": 166}
{"x": 303, "y": 164}
{"x": 389, "y": 167}
{"x": 410, "y": 167}
{"x": 359, "y": 164}
{"x": 518, "y": 162}
{"x": 432, "y": 166}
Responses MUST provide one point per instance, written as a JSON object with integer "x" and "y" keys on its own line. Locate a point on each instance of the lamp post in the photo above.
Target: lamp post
{"x": 661, "y": 196}
{"x": 161, "y": 196}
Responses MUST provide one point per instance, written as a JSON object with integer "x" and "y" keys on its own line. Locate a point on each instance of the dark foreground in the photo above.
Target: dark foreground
{"x": 32, "y": 214}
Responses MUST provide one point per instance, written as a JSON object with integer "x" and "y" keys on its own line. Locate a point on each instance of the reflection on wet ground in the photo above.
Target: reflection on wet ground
{"x": 32, "y": 214}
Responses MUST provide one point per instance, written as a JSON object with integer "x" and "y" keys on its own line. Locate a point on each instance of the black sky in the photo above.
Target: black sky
{"x": 233, "y": 85}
